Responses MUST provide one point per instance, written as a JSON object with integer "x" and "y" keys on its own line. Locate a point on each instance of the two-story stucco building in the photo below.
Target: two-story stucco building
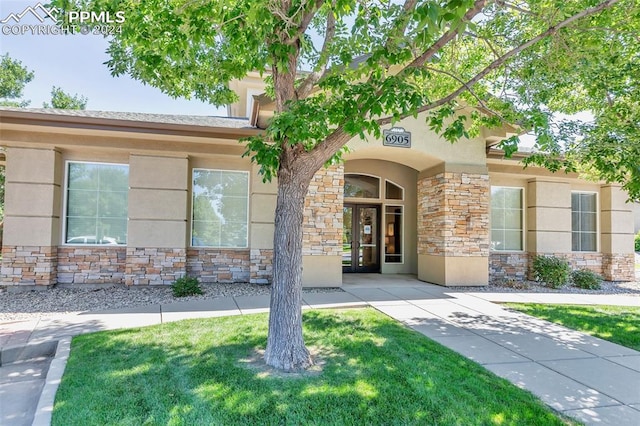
{"x": 141, "y": 199}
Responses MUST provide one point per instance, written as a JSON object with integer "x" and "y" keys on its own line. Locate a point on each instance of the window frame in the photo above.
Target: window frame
{"x": 393, "y": 200}
{"x": 65, "y": 204}
{"x": 522, "y": 218}
{"x": 402, "y": 234}
{"x": 191, "y": 218}
{"x": 362, "y": 199}
{"x": 597, "y": 213}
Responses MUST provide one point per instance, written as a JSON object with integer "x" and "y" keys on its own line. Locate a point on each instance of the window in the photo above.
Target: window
{"x": 97, "y": 203}
{"x": 393, "y": 234}
{"x": 506, "y": 218}
{"x": 584, "y": 219}
{"x": 220, "y": 208}
{"x": 361, "y": 186}
{"x": 393, "y": 191}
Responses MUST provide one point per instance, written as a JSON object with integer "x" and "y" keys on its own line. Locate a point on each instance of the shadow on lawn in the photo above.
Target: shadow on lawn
{"x": 376, "y": 372}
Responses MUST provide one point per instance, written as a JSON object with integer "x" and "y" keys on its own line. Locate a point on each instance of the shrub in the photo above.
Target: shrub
{"x": 186, "y": 286}
{"x": 637, "y": 241}
{"x": 586, "y": 279}
{"x": 551, "y": 270}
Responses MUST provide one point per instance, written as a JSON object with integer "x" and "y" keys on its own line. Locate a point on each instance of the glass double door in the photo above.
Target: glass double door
{"x": 361, "y": 238}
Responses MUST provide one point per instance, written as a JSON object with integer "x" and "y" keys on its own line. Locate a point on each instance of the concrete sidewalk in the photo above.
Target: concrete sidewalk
{"x": 584, "y": 377}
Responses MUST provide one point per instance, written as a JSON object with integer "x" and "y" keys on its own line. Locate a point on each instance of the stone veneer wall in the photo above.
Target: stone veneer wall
{"x": 590, "y": 261}
{"x": 453, "y": 214}
{"x": 32, "y": 266}
{"x": 154, "y": 266}
{"x": 261, "y": 269}
{"x": 91, "y": 265}
{"x": 618, "y": 267}
{"x": 508, "y": 266}
{"x": 322, "y": 221}
{"x": 218, "y": 265}
{"x": 612, "y": 267}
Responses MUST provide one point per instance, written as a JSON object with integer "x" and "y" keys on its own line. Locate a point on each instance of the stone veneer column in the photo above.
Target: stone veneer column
{"x": 616, "y": 230}
{"x": 32, "y": 217}
{"x": 158, "y": 211}
{"x": 322, "y": 229}
{"x": 453, "y": 225}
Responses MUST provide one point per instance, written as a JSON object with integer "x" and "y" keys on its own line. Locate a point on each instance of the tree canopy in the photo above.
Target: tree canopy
{"x": 357, "y": 65}
{"x": 344, "y": 68}
{"x": 61, "y": 99}
{"x": 13, "y": 77}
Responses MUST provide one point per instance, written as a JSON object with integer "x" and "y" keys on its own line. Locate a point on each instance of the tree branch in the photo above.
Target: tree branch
{"x": 305, "y": 21}
{"x": 323, "y": 152}
{"x": 459, "y": 80}
{"x": 514, "y": 7}
{"x": 446, "y": 37}
{"x": 487, "y": 42}
{"x": 408, "y": 6}
{"x": 498, "y": 62}
{"x": 307, "y": 85}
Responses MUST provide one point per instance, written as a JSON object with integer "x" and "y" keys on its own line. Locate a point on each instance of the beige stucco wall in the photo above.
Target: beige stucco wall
{"x": 33, "y": 194}
{"x": 454, "y": 271}
{"x": 427, "y": 148}
{"x": 252, "y": 84}
{"x": 262, "y": 210}
{"x": 158, "y": 206}
{"x": 616, "y": 221}
{"x": 548, "y": 216}
{"x": 321, "y": 271}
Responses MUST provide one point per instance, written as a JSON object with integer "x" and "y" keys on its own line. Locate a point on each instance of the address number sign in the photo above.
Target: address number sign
{"x": 396, "y": 136}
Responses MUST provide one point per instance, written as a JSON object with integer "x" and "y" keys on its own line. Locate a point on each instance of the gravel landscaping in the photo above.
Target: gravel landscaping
{"x": 60, "y": 300}
{"x": 607, "y": 287}
{"x": 63, "y": 300}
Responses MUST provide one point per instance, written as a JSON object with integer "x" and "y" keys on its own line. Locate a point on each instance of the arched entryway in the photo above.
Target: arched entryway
{"x": 379, "y": 218}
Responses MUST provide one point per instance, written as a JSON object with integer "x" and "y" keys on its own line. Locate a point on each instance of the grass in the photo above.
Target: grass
{"x": 375, "y": 371}
{"x": 617, "y": 324}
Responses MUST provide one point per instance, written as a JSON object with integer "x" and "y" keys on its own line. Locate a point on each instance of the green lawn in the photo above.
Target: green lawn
{"x": 617, "y": 324}
{"x": 375, "y": 371}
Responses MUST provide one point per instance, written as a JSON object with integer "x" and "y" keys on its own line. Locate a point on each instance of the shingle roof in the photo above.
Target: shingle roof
{"x": 191, "y": 120}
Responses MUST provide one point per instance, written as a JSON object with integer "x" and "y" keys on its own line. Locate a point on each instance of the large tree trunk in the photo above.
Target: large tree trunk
{"x": 285, "y": 344}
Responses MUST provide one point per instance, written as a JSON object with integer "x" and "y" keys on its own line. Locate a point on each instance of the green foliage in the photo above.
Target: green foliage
{"x": 375, "y": 63}
{"x": 617, "y": 324}
{"x": 62, "y": 100}
{"x": 186, "y": 286}
{"x": 586, "y": 279}
{"x": 551, "y": 270}
{"x": 13, "y": 77}
{"x": 374, "y": 371}
{"x": 637, "y": 242}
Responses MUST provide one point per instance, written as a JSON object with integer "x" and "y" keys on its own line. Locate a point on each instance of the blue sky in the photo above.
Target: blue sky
{"x": 76, "y": 64}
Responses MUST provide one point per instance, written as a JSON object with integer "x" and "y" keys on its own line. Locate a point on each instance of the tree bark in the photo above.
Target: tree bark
{"x": 285, "y": 344}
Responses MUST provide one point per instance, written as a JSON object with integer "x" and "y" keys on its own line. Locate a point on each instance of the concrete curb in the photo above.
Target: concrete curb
{"x": 44, "y": 411}
{"x": 11, "y": 354}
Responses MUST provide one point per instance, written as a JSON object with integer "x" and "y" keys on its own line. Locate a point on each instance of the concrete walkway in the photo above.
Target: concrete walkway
{"x": 584, "y": 377}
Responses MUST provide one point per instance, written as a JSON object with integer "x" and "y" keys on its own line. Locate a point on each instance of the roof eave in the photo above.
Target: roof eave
{"x": 120, "y": 125}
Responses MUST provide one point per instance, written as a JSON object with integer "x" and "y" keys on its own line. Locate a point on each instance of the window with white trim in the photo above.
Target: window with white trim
{"x": 393, "y": 191}
{"x": 361, "y": 186}
{"x": 220, "y": 208}
{"x": 393, "y": 234}
{"x": 584, "y": 221}
{"x": 96, "y": 203}
{"x": 506, "y": 218}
